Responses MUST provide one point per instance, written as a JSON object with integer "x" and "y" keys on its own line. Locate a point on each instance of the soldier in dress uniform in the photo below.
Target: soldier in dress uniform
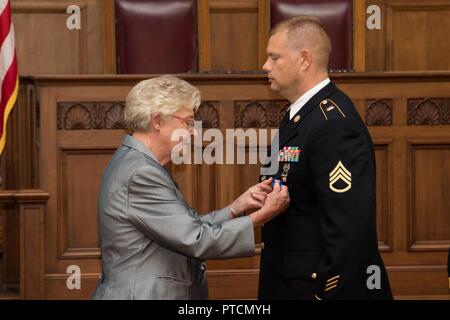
{"x": 324, "y": 246}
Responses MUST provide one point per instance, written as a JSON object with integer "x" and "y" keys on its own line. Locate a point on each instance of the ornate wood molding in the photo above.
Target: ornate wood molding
{"x": 429, "y": 111}
{"x": 109, "y": 115}
{"x": 208, "y": 113}
{"x": 379, "y": 112}
{"x": 90, "y": 115}
{"x": 259, "y": 113}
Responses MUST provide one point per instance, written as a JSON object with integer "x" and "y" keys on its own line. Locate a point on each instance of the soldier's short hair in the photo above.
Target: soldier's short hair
{"x": 307, "y": 32}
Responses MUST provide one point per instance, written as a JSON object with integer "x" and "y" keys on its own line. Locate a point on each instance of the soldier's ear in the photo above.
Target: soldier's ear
{"x": 305, "y": 59}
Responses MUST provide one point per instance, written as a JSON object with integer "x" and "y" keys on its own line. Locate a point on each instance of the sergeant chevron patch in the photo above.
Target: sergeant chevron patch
{"x": 340, "y": 173}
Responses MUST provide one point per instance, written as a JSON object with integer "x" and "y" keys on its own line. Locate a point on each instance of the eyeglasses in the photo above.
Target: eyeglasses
{"x": 189, "y": 122}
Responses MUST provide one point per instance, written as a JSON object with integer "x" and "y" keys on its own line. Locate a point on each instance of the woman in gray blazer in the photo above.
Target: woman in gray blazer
{"x": 152, "y": 243}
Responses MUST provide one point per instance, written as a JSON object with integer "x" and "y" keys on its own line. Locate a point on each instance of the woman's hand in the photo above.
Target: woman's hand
{"x": 276, "y": 202}
{"x": 252, "y": 199}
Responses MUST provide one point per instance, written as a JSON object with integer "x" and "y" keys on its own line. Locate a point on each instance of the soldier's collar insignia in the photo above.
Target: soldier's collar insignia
{"x": 327, "y": 106}
{"x": 340, "y": 173}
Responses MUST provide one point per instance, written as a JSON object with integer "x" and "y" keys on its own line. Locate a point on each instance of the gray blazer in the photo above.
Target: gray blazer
{"x": 152, "y": 243}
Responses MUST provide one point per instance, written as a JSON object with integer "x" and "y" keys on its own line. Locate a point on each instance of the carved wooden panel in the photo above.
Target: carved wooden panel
{"x": 412, "y": 172}
{"x": 208, "y": 113}
{"x": 259, "y": 114}
{"x": 56, "y": 286}
{"x": 90, "y": 115}
{"x": 420, "y": 282}
{"x": 383, "y": 190}
{"x": 78, "y": 228}
{"x": 429, "y": 201}
{"x": 379, "y": 112}
{"x": 429, "y": 111}
{"x": 109, "y": 115}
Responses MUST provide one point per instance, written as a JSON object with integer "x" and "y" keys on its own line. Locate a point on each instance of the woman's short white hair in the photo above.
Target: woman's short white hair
{"x": 165, "y": 95}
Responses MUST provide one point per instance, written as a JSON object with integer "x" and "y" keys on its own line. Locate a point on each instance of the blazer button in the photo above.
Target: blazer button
{"x": 262, "y": 245}
{"x": 202, "y": 267}
{"x": 314, "y": 275}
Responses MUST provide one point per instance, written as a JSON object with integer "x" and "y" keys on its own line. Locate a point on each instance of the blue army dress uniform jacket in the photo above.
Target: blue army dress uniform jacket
{"x": 324, "y": 246}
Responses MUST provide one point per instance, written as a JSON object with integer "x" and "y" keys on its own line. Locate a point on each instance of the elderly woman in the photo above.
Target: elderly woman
{"x": 152, "y": 243}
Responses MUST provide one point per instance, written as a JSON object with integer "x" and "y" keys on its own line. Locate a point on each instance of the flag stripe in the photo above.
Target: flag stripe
{"x": 9, "y": 80}
{"x": 8, "y": 83}
{"x": 8, "y": 98}
{"x": 3, "y": 4}
{"x": 5, "y": 115}
{"x": 5, "y": 21}
{"x": 7, "y": 53}
{"x": 7, "y": 88}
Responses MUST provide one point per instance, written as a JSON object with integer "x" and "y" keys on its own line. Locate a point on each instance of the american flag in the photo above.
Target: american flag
{"x": 9, "y": 81}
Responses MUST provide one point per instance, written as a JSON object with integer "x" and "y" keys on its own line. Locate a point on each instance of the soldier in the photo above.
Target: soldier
{"x": 324, "y": 246}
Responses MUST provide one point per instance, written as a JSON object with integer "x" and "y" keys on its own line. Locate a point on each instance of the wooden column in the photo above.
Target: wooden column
{"x": 31, "y": 203}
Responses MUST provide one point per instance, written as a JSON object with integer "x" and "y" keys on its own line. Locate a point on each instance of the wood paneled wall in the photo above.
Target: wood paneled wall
{"x": 232, "y": 36}
{"x": 46, "y": 46}
{"x": 81, "y": 124}
{"x": 414, "y": 35}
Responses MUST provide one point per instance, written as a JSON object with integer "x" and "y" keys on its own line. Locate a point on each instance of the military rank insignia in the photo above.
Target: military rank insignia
{"x": 340, "y": 173}
{"x": 289, "y": 154}
{"x": 327, "y": 106}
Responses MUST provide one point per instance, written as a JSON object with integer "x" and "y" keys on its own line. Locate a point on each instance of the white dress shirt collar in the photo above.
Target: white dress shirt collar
{"x": 297, "y": 105}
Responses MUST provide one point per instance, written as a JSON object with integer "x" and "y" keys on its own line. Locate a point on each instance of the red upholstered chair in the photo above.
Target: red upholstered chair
{"x": 336, "y": 17}
{"x": 156, "y": 36}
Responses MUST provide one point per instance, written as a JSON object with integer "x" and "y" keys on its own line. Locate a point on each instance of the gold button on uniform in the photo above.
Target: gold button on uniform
{"x": 314, "y": 275}
{"x": 262, "y": 245}
{"x": 297, "y": 118}
{"x": 284, "y": 179}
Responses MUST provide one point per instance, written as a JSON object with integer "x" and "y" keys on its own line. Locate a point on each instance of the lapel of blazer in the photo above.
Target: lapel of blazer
{"x": 288, "y": 128}
{"x": 132, "y": 143}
